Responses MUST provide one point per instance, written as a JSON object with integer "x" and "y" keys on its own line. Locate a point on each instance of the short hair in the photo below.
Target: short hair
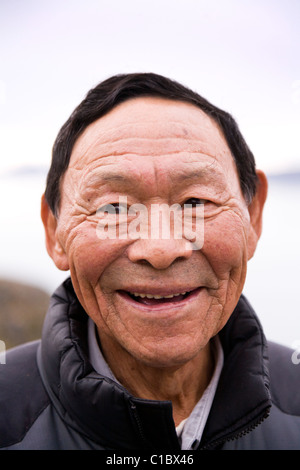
{"x": 119, "y": 88}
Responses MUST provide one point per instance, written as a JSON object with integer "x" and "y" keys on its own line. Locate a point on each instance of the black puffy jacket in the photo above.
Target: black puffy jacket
{"x": 51, "y": 398}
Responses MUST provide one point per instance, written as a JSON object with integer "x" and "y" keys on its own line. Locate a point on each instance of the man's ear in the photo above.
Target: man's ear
{"x": 256, "y": 212}
{"x": 53, "y": 245}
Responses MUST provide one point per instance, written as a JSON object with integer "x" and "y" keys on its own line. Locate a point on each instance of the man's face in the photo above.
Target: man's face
{"x": 154, "y": 151}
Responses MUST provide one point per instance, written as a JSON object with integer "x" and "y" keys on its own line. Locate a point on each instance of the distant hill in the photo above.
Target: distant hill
{"x": 26, "y": 170}
{"x": 289, "y": 177}
{"x": 22, "y": 311}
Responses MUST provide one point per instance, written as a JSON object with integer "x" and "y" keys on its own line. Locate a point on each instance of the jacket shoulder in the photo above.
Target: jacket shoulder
{"x": 284, "y": 378}
{"x": 22, "y": 394}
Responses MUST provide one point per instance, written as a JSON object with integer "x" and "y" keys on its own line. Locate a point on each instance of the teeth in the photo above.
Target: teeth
{"x": 150, "y": 296}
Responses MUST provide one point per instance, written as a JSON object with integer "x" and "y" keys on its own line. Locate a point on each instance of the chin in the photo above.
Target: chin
{"x": 167, "y": 355}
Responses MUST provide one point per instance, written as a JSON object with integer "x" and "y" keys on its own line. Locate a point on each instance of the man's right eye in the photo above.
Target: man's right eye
{"x": 113, "y": 209}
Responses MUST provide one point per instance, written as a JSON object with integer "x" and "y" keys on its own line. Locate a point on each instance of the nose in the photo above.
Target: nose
{"x": 160, "y": 254}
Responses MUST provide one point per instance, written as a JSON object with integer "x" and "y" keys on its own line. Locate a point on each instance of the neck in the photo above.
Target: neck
{"x": 182, "y": 385}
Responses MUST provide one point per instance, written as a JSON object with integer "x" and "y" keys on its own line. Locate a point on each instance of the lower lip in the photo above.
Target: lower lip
{"x": 169, "y": 303}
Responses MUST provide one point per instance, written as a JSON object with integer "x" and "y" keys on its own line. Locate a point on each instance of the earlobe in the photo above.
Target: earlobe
{"x": 256, "y": 212}
{"x": 53, "y": 245}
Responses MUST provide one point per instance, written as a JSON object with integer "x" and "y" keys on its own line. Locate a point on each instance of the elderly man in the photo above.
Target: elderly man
{"x": 150, "y": 344}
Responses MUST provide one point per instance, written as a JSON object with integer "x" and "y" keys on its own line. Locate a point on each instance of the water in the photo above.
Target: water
{"x": 272, "y": 284}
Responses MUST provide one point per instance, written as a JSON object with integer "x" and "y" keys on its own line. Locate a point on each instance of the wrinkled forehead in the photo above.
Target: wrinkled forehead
{"x": 150, "y": 126}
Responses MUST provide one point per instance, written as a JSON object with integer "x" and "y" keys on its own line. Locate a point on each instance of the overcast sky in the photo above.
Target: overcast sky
{"x": 243, "y": 55}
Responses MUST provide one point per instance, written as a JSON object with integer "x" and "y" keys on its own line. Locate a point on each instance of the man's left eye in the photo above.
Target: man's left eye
{"x": 195, "y": 201}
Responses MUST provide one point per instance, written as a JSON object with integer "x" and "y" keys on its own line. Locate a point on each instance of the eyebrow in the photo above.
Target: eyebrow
{"x": 196, "y": 174}
{"x": 179, "y": 177}
{"x": 118, "y": 177}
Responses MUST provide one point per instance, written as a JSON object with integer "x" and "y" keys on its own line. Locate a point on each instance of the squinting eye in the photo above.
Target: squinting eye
{"x": 195, "y": 201}
{"x": 114, "y": 209}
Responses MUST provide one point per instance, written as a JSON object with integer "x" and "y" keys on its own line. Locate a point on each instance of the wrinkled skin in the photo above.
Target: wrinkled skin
{"x": 154, "y": 150}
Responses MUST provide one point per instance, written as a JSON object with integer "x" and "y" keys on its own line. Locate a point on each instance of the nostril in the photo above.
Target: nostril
{"x": 160, "y": 254}
{"x": 157, "y": 265}
{"x": 143, "y": 262}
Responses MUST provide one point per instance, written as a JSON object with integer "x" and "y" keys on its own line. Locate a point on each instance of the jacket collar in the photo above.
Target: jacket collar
{"x": 242, "y": 399}
{"x": 108, "y": 414}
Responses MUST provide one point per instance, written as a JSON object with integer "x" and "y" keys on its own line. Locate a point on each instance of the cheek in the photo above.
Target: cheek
{"x": 225, "y": 243}
{"x": 88, "y": 256}
{"x": 225, "y": 248}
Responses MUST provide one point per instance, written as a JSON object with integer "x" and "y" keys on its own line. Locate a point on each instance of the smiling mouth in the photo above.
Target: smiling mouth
{"x": 154, "y": 299}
